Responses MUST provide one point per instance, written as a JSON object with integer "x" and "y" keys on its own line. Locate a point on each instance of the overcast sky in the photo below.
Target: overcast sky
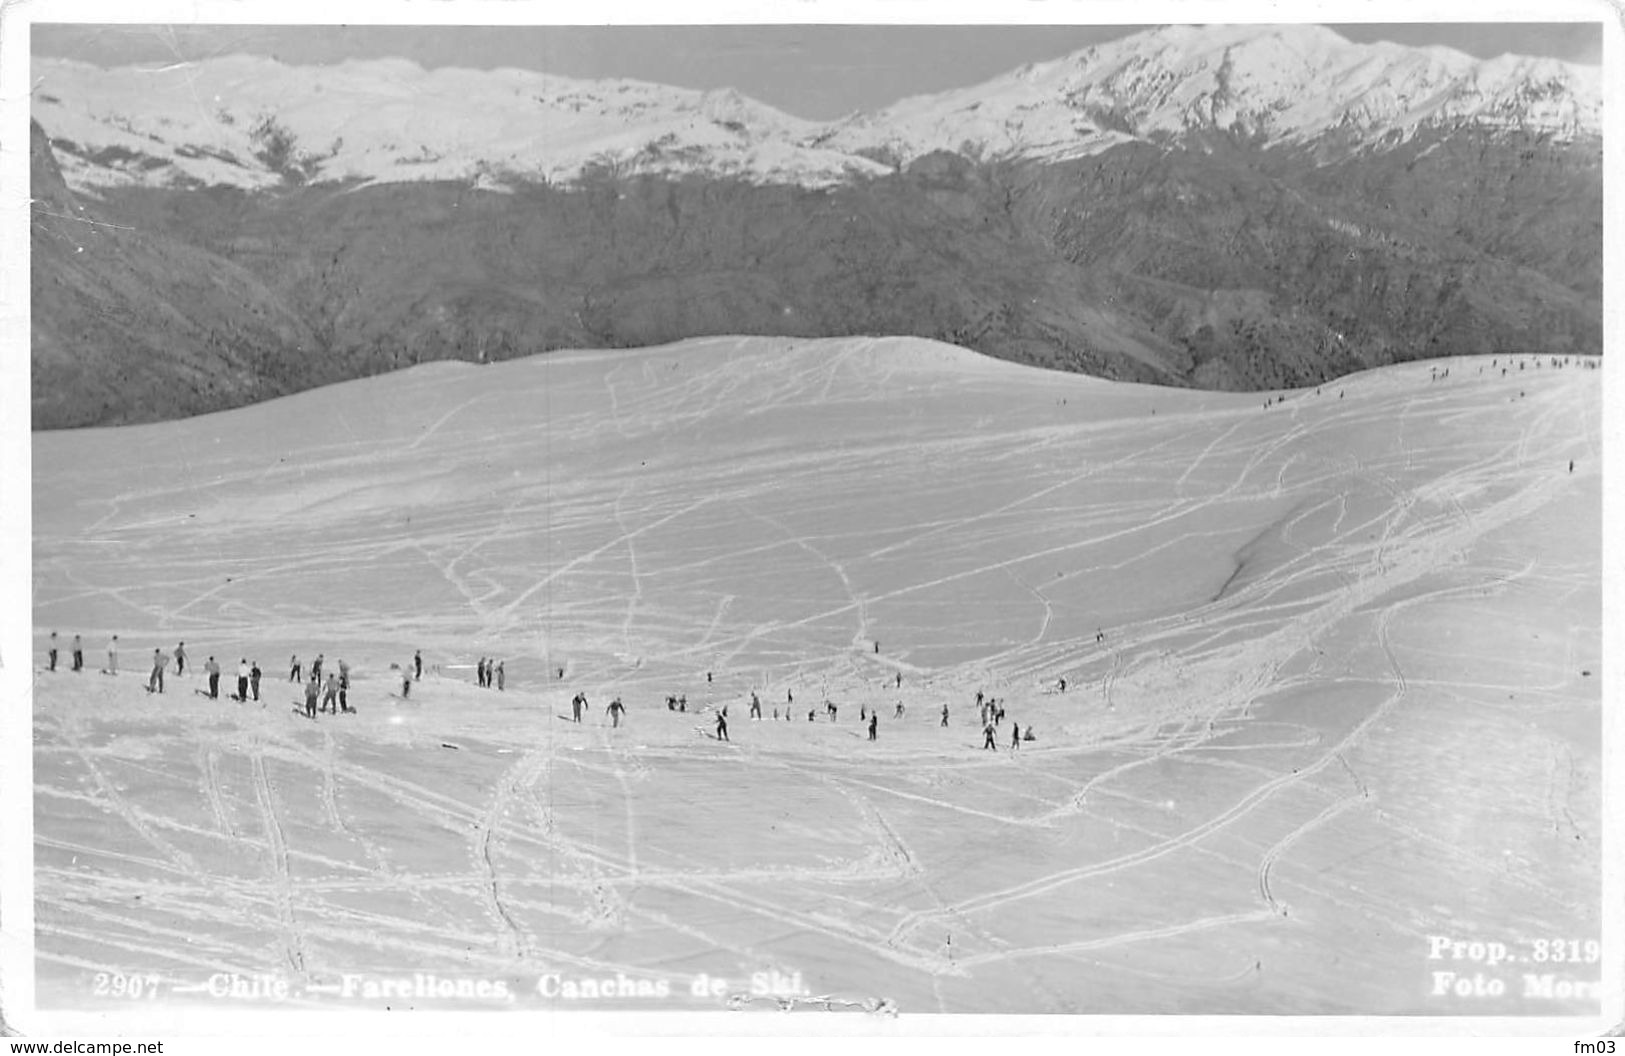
{"x": 813, "y": 71}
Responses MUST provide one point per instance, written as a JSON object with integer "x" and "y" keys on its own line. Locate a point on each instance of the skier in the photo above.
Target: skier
{"x": 877, "y": 646}
{"x": 51, "y": 654}
{"x": 978, "y": 698}
{"x": 722, "y": 726}
{"x": 212, "y": 669}
{"x": 874, "y": 721}
{"x": 316, "y": 668}
{"x": 899, "y": 680}
{"x": 112, "y": 656}
{"x": 863, "y": 712}
{"x": 899, "y": 712}
{"x": 708, "y": 678}
{"x": 242, "y": 680}
{"x": 180, "y": 660}
{"x": 295, "y": 671}
{"x": 945, "y": 716}
{"x": 682, "y": 703}
{"x": 1063, "y": 683}
{"x": 312, "y": 691}
{"x": 344, "y": 687}
{"x": 671, "y": 702}
{"x": 756, "y": 706}
{"x": 479, "y": 673}
{"x": 406, "y": 684}
{"x": 1571, "y": 465}
{"x": 417, "y": 666}
{"x": 577, "y": 702}
{"x": 789, "y": 697}
{"x": 330, "y": 695}
{"x": 831, "y": 706}
{"x": 616, "y": 710}
{"x": 1015, "y": 735}
{"x": 155, "y": 681}
{"x": 987, "y": 737}
{"x": 78, "y": 654}
{"x": 254, "y": 679}
{"x": 502, "y": 676}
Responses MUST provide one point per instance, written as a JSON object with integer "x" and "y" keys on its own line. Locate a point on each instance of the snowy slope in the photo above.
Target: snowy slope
{"x": 253, "y": 122}
{"x": 1347, "y": 695}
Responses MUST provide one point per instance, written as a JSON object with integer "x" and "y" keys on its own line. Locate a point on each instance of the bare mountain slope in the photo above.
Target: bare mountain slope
{"x": 1229, "y": 207}
{"x": 131, "y": 324}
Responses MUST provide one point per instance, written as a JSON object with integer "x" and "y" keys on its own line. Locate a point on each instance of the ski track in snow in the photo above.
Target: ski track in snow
{"x": 920, "y": 867}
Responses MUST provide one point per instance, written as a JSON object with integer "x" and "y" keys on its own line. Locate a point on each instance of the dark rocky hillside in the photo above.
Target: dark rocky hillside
{"x": 1214, "y": 266}
{"x": 133, "y": 324}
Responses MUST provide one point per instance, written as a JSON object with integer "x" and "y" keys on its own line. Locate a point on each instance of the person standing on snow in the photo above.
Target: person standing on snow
{"x": 155, "y": 681}
{"x": 112, "y": 656}
{"x": 254, "y": 675}
{"x": 945, "y": 716}
{"x": 502, "y": 676}
{"x": 78, "y": 654}
{"x": 344, "y": 686}
{"x": 295, "y": 670}
{"x": 51, "y": 653}
{"x": 312, "y": 691}
{"x": 180, "y": 660}
{"x": 987, "y": 737}
{"x": 722, "y": 726}
{"x": 330, "y": 695}
{"x": 756, "y": 706}
{"x": 1015, "y": 735}
{"x": 212, "y": 669}
{"x": 417, "y": 666}
{"x": 242, "y": 680}
{"x": 874, "y": 722}
{"x": 616, "y": 710}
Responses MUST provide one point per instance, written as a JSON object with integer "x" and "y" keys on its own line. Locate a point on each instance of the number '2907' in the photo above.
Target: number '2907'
{"x": 132, "y": 987}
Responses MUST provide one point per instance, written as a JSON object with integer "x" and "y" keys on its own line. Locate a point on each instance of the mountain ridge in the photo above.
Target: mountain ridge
{"x": 1226, "y": 256}
{"x": 254, "y": 122}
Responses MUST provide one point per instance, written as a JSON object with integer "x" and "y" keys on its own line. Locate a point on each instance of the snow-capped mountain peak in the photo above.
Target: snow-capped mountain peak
{"x": 1280, "y": 84}
{"x": 255, "y": 122}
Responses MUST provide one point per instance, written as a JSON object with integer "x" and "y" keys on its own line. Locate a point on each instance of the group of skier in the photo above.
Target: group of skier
{"x": 330, "y": 694}
{"x": 334, "y": 694}
{"x": 489, "y": 672}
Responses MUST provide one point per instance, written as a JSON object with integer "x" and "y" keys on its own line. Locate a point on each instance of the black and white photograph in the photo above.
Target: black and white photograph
{"x": 796, "y": 521}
